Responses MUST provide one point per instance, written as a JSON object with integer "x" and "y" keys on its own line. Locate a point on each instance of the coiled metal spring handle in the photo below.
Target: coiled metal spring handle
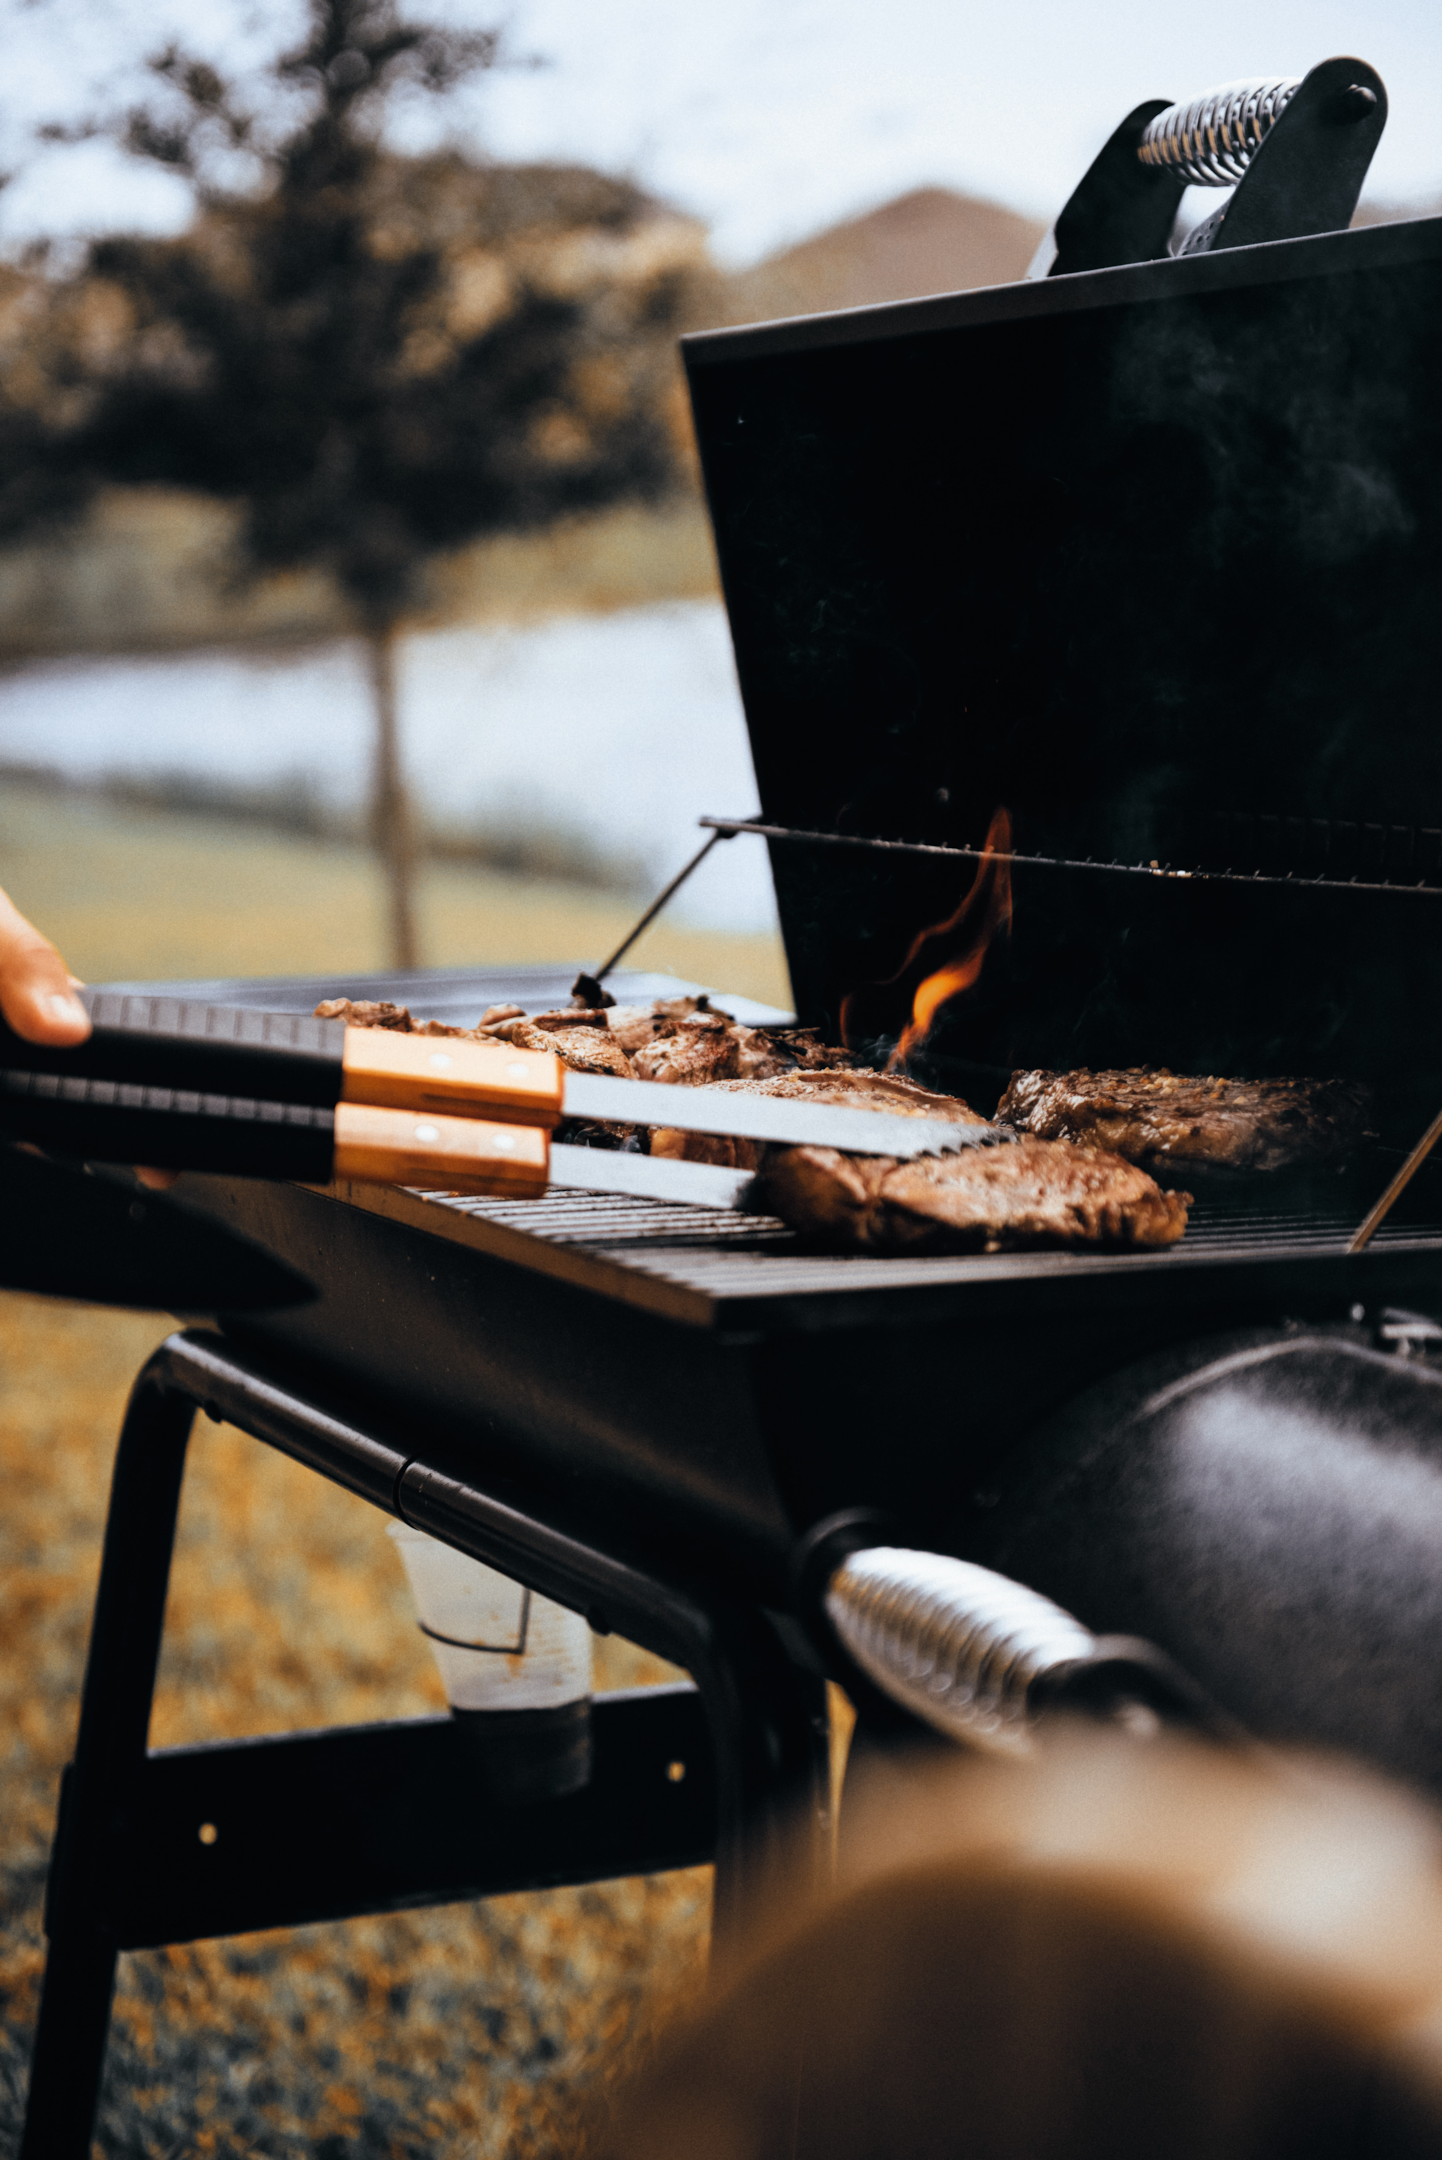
{"x": 1212, "y": 141}
{"x": 979, "y": 1657}
{"x": 1296, "y": 149}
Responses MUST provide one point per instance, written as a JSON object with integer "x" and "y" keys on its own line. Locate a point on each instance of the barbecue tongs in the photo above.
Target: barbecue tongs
{"x": 205, "y": 1087}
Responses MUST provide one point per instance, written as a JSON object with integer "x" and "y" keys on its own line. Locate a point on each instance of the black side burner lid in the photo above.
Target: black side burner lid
{"x": 1152, "y": 557}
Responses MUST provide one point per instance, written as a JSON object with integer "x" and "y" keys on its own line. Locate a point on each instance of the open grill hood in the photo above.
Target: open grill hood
{"x": 1152, "y": 557}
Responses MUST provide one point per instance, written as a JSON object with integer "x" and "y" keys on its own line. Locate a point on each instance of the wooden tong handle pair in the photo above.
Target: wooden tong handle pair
{"x": 191, "y": 1086}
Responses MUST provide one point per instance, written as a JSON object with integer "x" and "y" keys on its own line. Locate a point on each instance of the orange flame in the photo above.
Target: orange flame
{"x": 987, "y": 904}
{"x": 990, "y": 896}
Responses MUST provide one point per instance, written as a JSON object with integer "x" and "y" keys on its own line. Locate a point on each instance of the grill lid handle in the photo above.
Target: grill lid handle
{"x": 1297, "y": 151}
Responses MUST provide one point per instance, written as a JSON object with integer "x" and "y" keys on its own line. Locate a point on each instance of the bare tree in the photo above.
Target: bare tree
{"x": 364, "y": 351}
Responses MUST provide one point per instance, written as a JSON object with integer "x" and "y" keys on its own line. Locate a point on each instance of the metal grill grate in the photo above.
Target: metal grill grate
{"x": 618, "y": 1221}
{"x": 728, "y": 1258}
{"x": 1327, "y": 1231}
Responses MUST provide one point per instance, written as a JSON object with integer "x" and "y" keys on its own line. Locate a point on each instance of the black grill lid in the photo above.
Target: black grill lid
{"x": 1152, "y": 557}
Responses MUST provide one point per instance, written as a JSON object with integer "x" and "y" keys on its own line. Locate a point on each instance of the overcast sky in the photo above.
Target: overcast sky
{"x": 767, "y": 118}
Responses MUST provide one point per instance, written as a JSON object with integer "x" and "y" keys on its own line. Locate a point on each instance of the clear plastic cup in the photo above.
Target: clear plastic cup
{"x": 498, "y": 1646}
{"x": 516, "y": 1669}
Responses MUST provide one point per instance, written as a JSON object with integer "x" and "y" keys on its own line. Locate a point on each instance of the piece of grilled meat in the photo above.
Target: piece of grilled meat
{"x": 701, "y": 1048}
{"x": 1164, "y": 1120}
{"x": 982, "y": 1199}
{"x": 852, "y": 1088}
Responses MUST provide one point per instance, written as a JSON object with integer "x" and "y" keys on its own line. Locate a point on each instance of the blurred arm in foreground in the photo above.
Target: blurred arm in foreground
{"x": 36, "y": 993}
{"x": 1114, "y": 1952}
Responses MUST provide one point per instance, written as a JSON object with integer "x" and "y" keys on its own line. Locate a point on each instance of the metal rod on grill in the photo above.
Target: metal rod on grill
{"x": 1374, "y": 1219}
{"x": 584, "y": 984}
{"x": 727, "y": 827}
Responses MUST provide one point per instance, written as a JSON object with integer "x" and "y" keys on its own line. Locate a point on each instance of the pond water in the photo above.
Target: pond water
{"x": 581, "y": 740}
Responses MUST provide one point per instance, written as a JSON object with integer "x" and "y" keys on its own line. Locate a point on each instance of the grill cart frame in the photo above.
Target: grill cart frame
{"x": 173, "y": 1844}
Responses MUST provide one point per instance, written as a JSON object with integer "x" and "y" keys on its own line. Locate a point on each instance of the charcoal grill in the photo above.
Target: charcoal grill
{"x": 1149, "y": 555}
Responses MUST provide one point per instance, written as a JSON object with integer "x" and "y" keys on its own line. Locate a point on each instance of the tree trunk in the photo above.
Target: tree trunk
{"x": 392, "y": 829}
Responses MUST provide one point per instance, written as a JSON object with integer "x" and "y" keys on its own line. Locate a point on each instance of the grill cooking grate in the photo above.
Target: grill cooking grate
{"x": 1317, "y": 1232}
{"x": 623, "y": 1225}
{"x": 729, "y": 1258}
{"x": 617, "y": 1220}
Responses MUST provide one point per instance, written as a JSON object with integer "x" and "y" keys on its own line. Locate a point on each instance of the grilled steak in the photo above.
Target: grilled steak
{"x": 853, "y": 1089}
{"x": 986, "y": 1199}
{"x": 1162, "y": 1119}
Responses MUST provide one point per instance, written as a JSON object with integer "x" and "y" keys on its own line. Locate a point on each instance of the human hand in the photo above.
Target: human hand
{"x": 37, "y": 997}
{"x": 37, "y": 990}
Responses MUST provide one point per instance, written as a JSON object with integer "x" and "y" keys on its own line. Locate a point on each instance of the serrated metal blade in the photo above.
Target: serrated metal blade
{"x": 783, "y": 1120}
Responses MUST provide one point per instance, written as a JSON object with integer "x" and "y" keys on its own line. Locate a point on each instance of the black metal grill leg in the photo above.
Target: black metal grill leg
{"x": 100, "y": 1787}
{"x": 69, "y": 2053}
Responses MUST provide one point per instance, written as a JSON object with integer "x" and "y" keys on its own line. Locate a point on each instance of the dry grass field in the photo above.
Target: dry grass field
{"x": 468, "y": 2031}
{"x": 130, "y": 893}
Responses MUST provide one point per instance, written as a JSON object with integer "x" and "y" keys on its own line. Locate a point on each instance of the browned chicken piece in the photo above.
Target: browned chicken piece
{"x": 633, "y": 1025}
{"x": 682, "y": 1008}
{"x": 580, "y": 1045}
{"x": 497, "y": 1020}
{"x": 983, "y": 1199}
{"x": 706, "y": 1047}
{"x": 694, "y": 1052}
{"x": 806, "y": 1049}
{"x": 583, "y": 1049}
{"x": 569, "y": 1016}
{"x": 853, "y": 1089}
{"x": 367, "y": 1013}
{"x": 1163, "y": 1119}
{"x": 377, "y": 1013}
